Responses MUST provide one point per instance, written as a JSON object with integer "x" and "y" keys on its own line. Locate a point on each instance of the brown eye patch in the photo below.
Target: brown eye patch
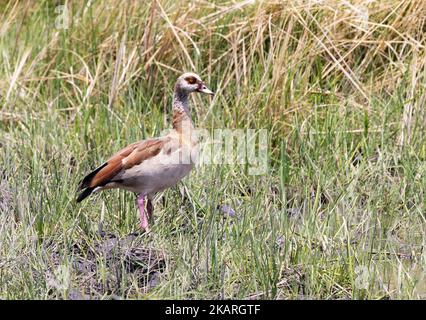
{"x": 191, "y": 80}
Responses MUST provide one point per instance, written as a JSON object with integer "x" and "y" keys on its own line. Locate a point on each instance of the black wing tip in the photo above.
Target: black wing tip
{"x": 83, "y": 195}
{"x": 85, "y": 183}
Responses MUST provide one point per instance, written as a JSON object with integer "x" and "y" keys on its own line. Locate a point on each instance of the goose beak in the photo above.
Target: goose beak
{"x": 203, "y": 89}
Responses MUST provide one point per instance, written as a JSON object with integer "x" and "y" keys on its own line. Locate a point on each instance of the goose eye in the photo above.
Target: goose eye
{"x": 191, "y": 80}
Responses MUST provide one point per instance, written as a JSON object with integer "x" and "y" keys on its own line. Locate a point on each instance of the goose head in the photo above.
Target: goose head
{"x": 190, "y": 82}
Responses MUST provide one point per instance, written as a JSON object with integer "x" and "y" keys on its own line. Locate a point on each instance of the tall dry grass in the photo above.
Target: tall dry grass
{"x": 271, "y": 59}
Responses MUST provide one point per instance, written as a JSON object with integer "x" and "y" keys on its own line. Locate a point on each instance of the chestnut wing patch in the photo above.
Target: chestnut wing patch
{"x": 146, "y": 150}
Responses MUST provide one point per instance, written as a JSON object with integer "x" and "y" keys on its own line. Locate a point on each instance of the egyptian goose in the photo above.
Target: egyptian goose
{"x": 149, "y": 166}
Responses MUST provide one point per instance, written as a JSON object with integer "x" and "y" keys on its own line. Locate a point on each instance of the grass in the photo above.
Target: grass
{"x": 338, "y": 85}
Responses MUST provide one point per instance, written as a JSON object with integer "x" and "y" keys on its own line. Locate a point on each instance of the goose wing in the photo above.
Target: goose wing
{"x": 126, "y": 158}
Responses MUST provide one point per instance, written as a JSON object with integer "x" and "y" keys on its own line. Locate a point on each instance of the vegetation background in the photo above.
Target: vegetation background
{"x": 340, "y": 87}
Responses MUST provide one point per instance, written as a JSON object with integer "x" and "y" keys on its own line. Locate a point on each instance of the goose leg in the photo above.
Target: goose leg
{"x": 150, "y": 209}
{"x": 143, "y": 216}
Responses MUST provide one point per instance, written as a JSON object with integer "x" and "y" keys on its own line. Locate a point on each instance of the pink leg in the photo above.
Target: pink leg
{"x": 143, "y": 216}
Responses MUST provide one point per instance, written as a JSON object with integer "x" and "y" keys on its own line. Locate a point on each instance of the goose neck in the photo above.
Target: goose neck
{"x": 181, "y": 114}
